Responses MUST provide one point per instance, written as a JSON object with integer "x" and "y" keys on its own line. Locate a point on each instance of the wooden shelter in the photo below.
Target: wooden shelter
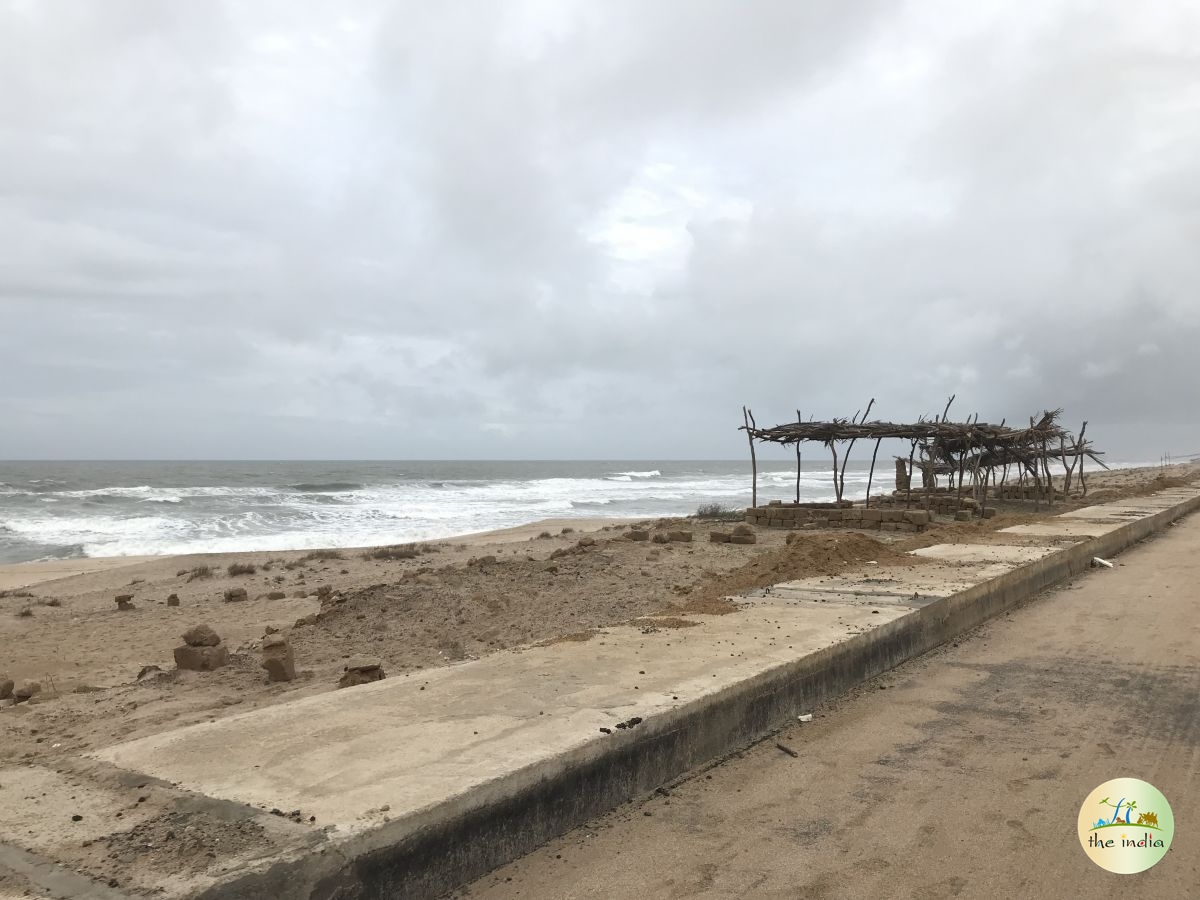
{"x": 973, "y": 452}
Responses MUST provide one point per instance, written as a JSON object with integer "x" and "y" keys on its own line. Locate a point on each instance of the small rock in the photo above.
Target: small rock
{"x": 27, "y": 691}
{"x": 742, "y": 529}
{"x": 201, "y": 636}
{"x": 150, "y": 673}
{"x": 6, "y": 687}
{"x": 235, "y": 595}
{"x": 361, "y": 670}
{"x": 638, "y": 534}
{"x": 124, "y": 601}
{"x": 680, "y": 536}
{"x": 719, "y": 537}
{"x": 201, "y": 659}
{"x": 276, "y": 595}
{"x": 585, "y": 541}
{"x": 173, "y": 600}
{"x": 277, "y": 658}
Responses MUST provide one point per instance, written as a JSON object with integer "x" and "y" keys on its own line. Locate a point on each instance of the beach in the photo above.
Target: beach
{"x": 107, "y": 674}
{"x": 430, "y": 604}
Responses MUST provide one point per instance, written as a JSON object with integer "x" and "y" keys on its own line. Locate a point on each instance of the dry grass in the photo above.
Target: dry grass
{"x": 400, "y": 551}
{"x": 241, "y": 569}
{"x": 720, "y": 511}
{"x": 200, "y": 572}
{"x": 320, "y": 555}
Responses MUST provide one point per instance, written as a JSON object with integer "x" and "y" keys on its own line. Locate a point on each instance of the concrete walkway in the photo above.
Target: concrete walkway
{"x": 405, "y": 785}
{"x": 956, "y": 775}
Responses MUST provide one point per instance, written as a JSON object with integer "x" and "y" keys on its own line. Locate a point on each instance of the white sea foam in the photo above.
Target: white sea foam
{"x": 331, "y": 510}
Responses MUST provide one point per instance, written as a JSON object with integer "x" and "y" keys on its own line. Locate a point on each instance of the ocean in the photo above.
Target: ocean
{"x": 56, "y": 510}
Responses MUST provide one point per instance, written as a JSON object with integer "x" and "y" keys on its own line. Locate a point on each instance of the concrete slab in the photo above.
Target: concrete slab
{"x": 782, "y": 593}
{"x": 1155, "y": 501}
{"x": 1110, "y": 511}
{"x": 902, "y": 581}
{"x": 401, "y": 747}
{"x": 1017, "y": 554}
{"x": 1065, "y": 528}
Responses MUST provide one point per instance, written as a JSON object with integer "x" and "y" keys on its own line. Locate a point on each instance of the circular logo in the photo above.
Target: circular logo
{"x": 1126, "y": 825}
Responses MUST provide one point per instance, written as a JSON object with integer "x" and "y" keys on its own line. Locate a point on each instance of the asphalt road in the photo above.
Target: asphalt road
{"x": 960, "y": 774}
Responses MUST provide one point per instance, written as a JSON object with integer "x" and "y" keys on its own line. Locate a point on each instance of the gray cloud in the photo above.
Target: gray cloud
{"x": 570, "y": 229}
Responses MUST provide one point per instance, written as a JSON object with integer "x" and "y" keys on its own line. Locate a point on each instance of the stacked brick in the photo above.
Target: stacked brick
{"x": 1022, "y": 492}
{"x": 780, "y": 515}
{"x": 944, "y": 503}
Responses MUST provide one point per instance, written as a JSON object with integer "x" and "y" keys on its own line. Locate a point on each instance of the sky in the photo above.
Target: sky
{"x": 566, "y": 229}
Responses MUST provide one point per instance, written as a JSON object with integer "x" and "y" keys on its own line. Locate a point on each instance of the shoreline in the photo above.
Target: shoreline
{"x": 20, "y": 575}
{"x": 15, "y": 576}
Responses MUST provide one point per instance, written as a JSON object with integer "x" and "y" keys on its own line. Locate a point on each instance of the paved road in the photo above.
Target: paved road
{"x": 960, "y": 774}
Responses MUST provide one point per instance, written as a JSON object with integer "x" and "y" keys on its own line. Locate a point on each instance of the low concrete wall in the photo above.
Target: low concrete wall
{"x": 466, "y": 837}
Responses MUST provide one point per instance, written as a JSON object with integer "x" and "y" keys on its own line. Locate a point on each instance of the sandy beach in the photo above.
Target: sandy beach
{"x": 412, "y": 607}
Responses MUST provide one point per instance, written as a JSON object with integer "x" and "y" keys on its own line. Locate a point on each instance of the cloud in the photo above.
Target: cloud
{"x": 545, "y": 229}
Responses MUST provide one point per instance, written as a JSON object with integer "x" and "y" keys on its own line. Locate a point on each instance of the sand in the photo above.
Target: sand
{"x": 449, "y": 601}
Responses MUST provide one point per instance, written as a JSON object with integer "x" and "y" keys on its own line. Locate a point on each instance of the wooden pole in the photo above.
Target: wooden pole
{"x": 1082, "y": 448}
{"x": 871, "y": 474}
{"x": 908, "y": 494}
{"x": 846, "y": 459}
{"x": 837, "y": 488}
{"x": 753, "y": 461}
{"x": 799, "y": 419}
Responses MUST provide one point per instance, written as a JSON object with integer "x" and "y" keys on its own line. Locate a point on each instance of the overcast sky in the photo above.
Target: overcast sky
{"x": 590, "y": 229}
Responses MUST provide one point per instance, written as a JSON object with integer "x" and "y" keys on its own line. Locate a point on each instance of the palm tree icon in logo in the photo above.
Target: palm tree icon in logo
{"x": 1129, "y": 807}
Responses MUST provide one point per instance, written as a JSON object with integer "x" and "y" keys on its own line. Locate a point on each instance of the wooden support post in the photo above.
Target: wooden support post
{"x": 753, "y": 461}
{"x": 1082, "y": 453}
{"x": 799, "y": 419}
{"x": 871, "y": 474}
{"x": 837, "y": 486}
{"x": 908, "y": 494}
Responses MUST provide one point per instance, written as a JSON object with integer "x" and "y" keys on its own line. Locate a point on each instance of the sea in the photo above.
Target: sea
{"x": 58, "y": 510}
